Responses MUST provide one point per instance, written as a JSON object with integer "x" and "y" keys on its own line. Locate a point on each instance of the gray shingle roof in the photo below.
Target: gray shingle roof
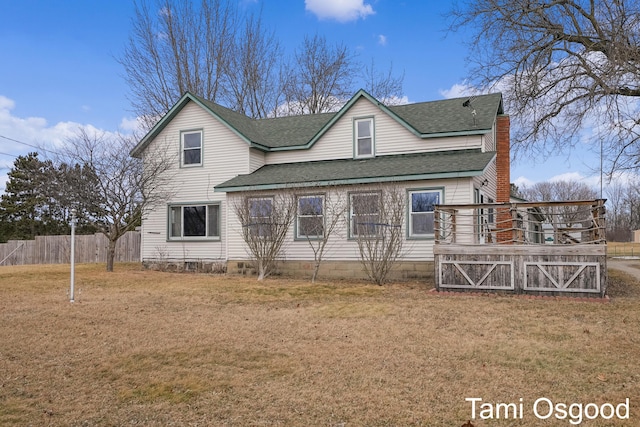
{"x": 425, "y": 119}
{"x": 451, "y": 115}
{"x": 404, "y": 167}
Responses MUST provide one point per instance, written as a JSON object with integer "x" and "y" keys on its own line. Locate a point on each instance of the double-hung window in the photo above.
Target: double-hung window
{"x": 421, "y": 212}
{"x": 310, "y": 217}
{"x": 260, "y": 216}
{"x": 194, "y": 221}
{"x": 364, "y": 139}
{"x": 364, "y": 214}
{"x": 191, "y": 147}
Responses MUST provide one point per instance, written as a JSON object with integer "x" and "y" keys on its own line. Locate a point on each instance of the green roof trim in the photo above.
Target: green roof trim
{"x": 433, "y": 119}
{"x": 402, "y": 167}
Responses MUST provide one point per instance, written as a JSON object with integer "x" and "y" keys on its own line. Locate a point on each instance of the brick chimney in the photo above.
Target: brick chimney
{"x": 503, "y": 171}
{"x": 503, "y": 159}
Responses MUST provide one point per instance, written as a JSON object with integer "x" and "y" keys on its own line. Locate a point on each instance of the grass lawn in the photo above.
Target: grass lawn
{"x": 154, "y": 349}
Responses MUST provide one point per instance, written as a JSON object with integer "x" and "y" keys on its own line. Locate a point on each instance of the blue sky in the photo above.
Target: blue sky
{"x": 58, "y": 69}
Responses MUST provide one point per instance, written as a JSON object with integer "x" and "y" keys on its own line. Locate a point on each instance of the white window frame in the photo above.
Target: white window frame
{"x": 357, "y": 138}
{"x": 412, "y": 214}
{"x": 184, "y": 149}
{"x": 209, "y": 233}
{"x": 300, "y": 215}
{"x": 353, "y": 214}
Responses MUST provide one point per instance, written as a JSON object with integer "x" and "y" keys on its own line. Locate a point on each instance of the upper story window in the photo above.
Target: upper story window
{"x": 194, "y": 221}
{"x": 364, "y": 141}
{"x": 191, "y": 147}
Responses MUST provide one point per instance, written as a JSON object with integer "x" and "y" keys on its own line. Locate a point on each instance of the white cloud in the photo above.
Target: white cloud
{"x": 382, "y": 40}
{"x": 523, "y": 181}
{"x": 340, "y": 10}
{"x": 6, "y": 103}
{"x": 567, "y": 176}
{"x": 21, "y": 135}
{"x": 459, "y": 90}
{"x": 134, "y": 126}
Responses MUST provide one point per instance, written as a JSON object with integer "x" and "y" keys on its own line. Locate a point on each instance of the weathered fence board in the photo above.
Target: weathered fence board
{"x": 540, "y": 270}
{"x": 56, "y": 249}
{"x": 540, "y": 248}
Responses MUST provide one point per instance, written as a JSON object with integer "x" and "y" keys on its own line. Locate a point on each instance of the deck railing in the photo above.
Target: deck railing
{"x": 545, "y": 248}
{"x": 557, "y": 223}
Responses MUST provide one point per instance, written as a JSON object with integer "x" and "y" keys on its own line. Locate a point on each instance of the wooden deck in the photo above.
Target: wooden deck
{"x": 543, "y": 249}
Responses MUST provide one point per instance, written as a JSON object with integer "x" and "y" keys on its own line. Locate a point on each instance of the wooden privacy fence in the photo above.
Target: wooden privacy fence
{"x": 546, "y": 248}
{"x": 56, "y": 249}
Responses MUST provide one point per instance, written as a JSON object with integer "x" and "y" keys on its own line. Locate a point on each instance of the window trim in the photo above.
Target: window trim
{"x": 182, "y": 237}
{"x": 410, "y": 191}
{"x": 356, "y": 137}
{"x": 297, "y": 235}
{"x": 182, "y": 148}
{"x": 350, "y": 235}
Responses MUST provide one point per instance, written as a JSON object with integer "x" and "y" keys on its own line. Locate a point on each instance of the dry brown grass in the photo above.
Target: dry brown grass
{"x": 150, "y": 348}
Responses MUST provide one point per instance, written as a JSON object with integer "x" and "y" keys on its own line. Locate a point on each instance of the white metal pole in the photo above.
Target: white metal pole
{"x": 73, "y": 253}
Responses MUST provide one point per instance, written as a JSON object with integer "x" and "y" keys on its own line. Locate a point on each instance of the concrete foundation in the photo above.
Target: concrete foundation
{"x": 404, "y": 270}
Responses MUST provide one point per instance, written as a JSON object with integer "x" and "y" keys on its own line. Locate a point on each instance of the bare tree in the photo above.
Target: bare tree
{"x": 564, "y": 216}
{"x": 265, "y": 221}
{"x": 618, "y": 227}
{"x": 566, "y": 68}
{"x": 383, "y": 86}
{"x": 209, "y": 48}
{"x": 320, "y": 78}
{"x": 253, "y": 84}
{"x": 318, "y": 217}
{"x": 123, "y": 188}
{"x": 376, "y": 219}
{"x": 176, "y": 47}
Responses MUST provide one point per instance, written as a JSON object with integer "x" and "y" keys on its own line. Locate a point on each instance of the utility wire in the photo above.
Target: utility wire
{"x": 29, "y": 145}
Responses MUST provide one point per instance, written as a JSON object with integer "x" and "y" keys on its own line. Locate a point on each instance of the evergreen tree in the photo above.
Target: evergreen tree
{"x": 21, "y": 207}
{"x": 39, "y": 197}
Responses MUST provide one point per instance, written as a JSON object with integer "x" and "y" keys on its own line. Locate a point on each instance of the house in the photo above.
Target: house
{"x": 448, "y": 151}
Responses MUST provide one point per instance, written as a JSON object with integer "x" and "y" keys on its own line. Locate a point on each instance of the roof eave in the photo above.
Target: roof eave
{"x": 182, "y": 102}
{"x": 422, "y": 136}
{"x": 158, "y": 127}
{"x": 350, "y": 181}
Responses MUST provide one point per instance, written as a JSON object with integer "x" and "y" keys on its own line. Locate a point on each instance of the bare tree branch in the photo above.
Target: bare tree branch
{"x": 319, "y": 216}
{"x": 320, "y": 78}
{"x": 122, "y": 187}
{"x": 265, "y": 221}
{"x": 568, "y": 68}
{"x": 376, "y": 220}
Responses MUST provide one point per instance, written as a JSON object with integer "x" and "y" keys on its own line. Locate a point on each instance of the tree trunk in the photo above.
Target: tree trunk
{"x": 261, "y": 270}
{"x": 316, "y": 267}
{"x": 111, "y": 254}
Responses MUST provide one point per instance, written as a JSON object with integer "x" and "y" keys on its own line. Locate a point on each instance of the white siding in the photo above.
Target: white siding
{"x": 224, "y": 156}
{"x": 490, "y": 139}
{"x": 340, "y": 247}
{"x": 492, "y": 181}
{"x": 390, "y": 138}
{"x": 256, "y": 159}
